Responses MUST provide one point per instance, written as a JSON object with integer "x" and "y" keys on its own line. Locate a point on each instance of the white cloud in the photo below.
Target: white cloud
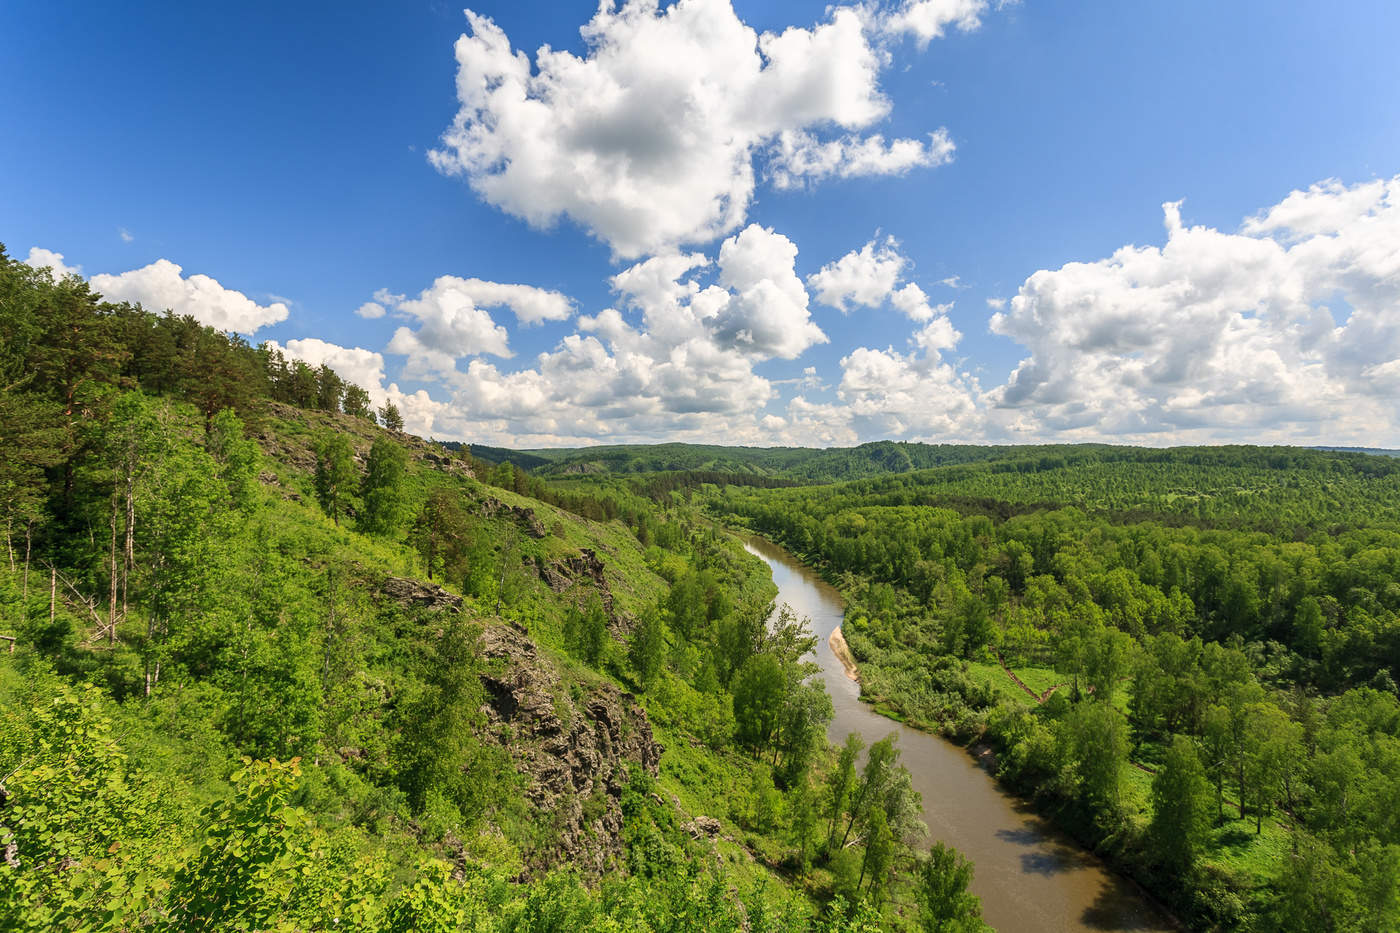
{"x": 455, "y": 323}
{"x": 867, "y": 278}
{"x": 649, "y": 140}
{"x": 915, "y": 304}
{"x": 452, "y": 326}
{"x": 125, "y": 234}
{"x": 1222, "y": 335}
{"x": 161, "y": 286}
{"x": 766, "y": 315}
{"x": 40, "y": 258}
{"x": 530, "y": 305}
{"x": 675, "y": 359}
{"x": 799, "y": 157}
{"x": 930, "y": 19}
{"x": 890, "y": 394}
{"x": 996, "y": 304}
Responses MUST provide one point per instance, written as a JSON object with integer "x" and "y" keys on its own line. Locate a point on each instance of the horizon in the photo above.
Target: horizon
{"x": 564, "y": 226}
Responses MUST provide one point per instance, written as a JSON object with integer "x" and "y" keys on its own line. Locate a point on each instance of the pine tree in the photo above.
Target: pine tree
{"x": 390, "y": 417}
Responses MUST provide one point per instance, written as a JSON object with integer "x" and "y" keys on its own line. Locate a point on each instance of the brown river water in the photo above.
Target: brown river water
{"x": 1030, "y": 876}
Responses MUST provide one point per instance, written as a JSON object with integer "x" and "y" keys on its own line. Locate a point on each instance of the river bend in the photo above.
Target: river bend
{"x": 1031, "y": 877}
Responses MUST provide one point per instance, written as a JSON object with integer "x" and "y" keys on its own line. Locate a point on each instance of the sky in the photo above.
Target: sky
{"x": 541, "y": 224}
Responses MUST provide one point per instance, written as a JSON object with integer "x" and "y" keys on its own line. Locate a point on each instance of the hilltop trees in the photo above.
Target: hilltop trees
{"x": 390, "y": 417}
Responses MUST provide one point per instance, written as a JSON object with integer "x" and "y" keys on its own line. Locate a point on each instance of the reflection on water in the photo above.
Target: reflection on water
{"x": 1030, "y": 877}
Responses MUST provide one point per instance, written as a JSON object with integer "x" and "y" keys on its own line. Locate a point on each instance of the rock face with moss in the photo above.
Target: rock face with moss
{"x": 573, "y": 746}
{"x": 586, "y": 568}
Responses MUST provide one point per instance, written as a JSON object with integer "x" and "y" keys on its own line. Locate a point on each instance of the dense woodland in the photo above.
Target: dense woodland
{"x": 1205, "y": 646}
{"x": 279, "y": 665}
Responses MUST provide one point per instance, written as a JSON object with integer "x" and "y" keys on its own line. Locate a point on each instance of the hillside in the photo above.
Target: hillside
{"x": 276, "y": 663}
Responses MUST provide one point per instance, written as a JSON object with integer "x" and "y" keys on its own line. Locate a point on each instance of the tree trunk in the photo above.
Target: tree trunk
{"x": 112, "y": 583}
{"x": 28, "y": 540}
{"x": 129, "y": 544}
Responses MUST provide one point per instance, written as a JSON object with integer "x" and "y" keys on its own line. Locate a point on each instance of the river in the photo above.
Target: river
{"x": 1030, "y": 876}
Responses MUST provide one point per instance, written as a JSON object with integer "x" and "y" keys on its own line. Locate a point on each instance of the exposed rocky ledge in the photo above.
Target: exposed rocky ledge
{"x": 420, "y": 594}
{"x": 574, "y": 750}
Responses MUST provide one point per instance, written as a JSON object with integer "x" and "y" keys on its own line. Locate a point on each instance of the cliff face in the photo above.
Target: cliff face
{"x": 574, "y": 748}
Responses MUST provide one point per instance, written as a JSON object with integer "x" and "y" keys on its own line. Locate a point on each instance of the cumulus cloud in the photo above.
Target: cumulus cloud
{"x": 867, "y": 278}
{"x": 886, "y": 393}
{"x": 799, "y": 157}
{"x": 451, "y": 326}
{"x": 926, "y": 20}
{"x": 40, "y": 258}
{"x": 766, "y": 314}
{"x": 1288, "y": 328}
{"x": 675, "y": 358}
{"x": 864, "y": 277}
{"x": 161, "y": 286}
{"x": 649, "y": 140}
{"x": 454, "y": 321}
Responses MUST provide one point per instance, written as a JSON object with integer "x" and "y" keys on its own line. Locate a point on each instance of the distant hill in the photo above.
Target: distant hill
{"x": 882, "y": 458}
{"x": 804, "y": 463}
{"x": 524, "y": 459}
{"x": 1373, "y": 451}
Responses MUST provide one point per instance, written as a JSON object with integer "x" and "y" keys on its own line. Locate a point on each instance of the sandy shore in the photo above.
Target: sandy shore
{"x": 837, "y": 641}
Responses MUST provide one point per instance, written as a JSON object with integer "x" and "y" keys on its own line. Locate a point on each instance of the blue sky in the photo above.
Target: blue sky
{"x": 284, "y": 154}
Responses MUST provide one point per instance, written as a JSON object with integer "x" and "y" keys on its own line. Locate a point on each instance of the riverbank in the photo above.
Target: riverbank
{"x": 1030, "y": 875}
{"x": 837, "y": 641}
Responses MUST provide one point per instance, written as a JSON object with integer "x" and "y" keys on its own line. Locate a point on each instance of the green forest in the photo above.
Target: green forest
{"x": 270, "y": 662}
{"x": 1188, "y": 657}
{"x": 275, "y": 664}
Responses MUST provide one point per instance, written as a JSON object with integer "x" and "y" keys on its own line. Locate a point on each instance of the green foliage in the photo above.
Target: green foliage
{"x": 238, "y": 457}
{"x": 586, "y": 630}
{"x": 82, "y": 833}
{"x": 335, "y": 473}
{"x": 945, "y": 903}
{"x": 646, "y": 650}
{"x": 1223, "y": 598}
{"x": 382, "y": 490}
{"x": 1181, "y": 807}
{"x": 390, "y": 417}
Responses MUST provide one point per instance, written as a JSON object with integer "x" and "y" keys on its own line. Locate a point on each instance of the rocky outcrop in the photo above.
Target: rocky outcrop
{"x": 703, "y": 827}
{"x": 586, "y": 567}
{"x": 419, "y": 594}
{"x": 524, "y": 517}
{"x": 574, "y": 751}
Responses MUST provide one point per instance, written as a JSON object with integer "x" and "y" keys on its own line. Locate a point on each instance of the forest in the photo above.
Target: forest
{"x": 1189, "y": 657}
{"x": 276, "y": 664}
